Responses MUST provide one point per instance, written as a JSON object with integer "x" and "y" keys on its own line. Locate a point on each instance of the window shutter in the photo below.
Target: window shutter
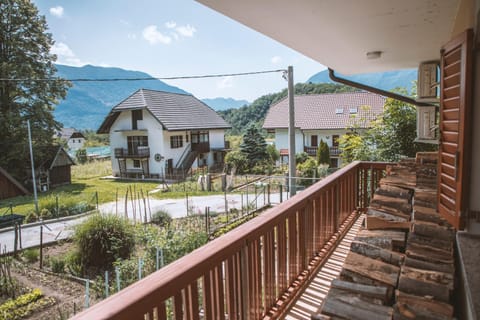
{"x": 455, "y": 115}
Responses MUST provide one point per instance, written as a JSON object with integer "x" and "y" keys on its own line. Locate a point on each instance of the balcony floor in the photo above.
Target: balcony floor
{"x": 311, "y": 299}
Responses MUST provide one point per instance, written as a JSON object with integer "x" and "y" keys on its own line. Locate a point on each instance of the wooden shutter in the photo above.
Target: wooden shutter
{"x": 455, "y": 117}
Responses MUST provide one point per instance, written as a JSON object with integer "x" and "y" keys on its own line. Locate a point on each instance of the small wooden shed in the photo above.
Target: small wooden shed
{"x": 55, "y": 169}
{"x": 9, "y": 186}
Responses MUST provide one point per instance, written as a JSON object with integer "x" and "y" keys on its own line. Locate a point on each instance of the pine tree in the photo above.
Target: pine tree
{"x": 24, "y": 58}
{"x": 323, "y": 153}
{"x": 254, "y": 146}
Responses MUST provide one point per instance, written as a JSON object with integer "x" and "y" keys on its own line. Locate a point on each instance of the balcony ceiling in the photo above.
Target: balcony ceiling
{"x": 339, "y": 33}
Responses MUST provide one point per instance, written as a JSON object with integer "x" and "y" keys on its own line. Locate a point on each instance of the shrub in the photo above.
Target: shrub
{"x": 31, "y": 255}
{"x": 45, "y": 214}
{"x": 73, "y": 263}
{"x": 103, "y": 239}
{"x": 57, "y": 265}
{"x": 162, "y": 218}
{"x": 31, "y": 217}
{"x": 307, "y": 169}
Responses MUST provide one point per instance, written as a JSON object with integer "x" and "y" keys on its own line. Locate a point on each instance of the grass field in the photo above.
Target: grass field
{"x": 87, "y": 181}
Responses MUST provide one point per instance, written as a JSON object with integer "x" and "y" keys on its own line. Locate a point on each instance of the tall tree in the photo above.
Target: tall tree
{"x": 323, "y": 153}
{"x": 390, "y": 137}
{"x": 254, "y": 146}
{"x": 24, "y": 59}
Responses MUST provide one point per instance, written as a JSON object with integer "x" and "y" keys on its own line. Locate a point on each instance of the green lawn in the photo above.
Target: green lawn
{"x": 87, "y": 181}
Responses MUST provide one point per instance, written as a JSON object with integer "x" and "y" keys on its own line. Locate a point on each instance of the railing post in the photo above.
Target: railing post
{"x": 244, "y": 282}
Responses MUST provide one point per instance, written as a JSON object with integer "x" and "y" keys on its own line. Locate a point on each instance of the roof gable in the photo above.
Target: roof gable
{"x": 327, "y": 111}
{"x": 174, "y": 111}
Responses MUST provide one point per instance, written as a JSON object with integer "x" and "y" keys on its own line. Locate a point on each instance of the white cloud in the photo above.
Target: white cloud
{"x": 153, "y": 36}
{"x": 186, "y": 31}
{"x": 132, "y": 36}
{"x": 57, "y": 11}
{"x": 276, "y": 60}
{"x": 170, "y": 24}
{"x": 65, "y": 55}
{"x": 226, "y": 82}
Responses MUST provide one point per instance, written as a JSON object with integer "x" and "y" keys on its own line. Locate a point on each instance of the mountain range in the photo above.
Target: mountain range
{"x": 88, "y": 102}
{"x": 384, "y": 80}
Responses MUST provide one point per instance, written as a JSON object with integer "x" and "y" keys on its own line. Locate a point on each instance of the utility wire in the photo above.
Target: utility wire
{"x": 150, "y": 78}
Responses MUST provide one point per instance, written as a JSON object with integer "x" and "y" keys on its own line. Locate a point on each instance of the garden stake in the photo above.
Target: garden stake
{"x": 41, "y": 246}
{"x": 117, "y": 276}
{"x": 162, "y": 262}
{"x": 140, "y": 262}
{"x": 87, "y": 293}
{"x": 116, "y": 202}
{"x": 126, "y": 201}
{"x": 106, "y": 284}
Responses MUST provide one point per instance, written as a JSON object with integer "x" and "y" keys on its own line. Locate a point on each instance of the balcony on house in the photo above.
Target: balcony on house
{"x": 139, "y": 152}
{"x": 201, "y": 147}
{"x": 312, "y": 151}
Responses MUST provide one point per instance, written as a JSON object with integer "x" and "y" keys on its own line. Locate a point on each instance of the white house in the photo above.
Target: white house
{"x": 160, "y": 134}
{"x": 322, "y": 117}
{"x": 74, "y": 139}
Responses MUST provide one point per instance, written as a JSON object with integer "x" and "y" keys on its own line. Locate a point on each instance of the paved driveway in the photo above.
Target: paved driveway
{"x": 54, "y": 230}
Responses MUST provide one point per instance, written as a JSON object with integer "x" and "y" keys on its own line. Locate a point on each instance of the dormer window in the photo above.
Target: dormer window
{"x": 353, "y": 110}
{"x": 339, "y": 110}
{"x": 136, "y": 115}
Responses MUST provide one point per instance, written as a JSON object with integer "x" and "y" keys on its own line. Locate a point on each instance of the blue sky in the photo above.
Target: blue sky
{"x": 168, "y": 38}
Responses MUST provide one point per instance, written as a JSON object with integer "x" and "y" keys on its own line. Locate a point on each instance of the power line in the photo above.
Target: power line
{"x": 150, "y": 78}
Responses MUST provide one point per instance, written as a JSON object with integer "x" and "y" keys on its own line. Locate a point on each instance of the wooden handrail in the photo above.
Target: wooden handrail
{"x": 252, "y": 266}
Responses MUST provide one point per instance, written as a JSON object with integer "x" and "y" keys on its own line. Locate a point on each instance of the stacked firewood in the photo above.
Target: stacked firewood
{"x": 401, "y": 265}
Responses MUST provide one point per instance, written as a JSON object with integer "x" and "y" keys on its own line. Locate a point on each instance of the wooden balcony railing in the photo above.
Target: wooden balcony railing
{"x": 141, "y": 152}
{"x": 312, "y": 151}
{"x": 201, "y": 147}
{"x": 257, "y": 269}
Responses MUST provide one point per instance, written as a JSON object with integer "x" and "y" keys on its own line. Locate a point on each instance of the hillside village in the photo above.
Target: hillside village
{"x": 348, "y": 196}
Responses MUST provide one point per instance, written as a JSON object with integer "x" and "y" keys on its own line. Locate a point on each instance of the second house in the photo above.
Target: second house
{"x": 160, "y": 134}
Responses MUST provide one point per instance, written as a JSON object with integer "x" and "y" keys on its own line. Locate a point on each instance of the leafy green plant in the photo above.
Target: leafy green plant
{"x": 73, "y": 262}
{"x": 57, "y": 265}
{"x": 12, "y": 309}
{"x": 31, "y": 217}
{"x": 162, "y": 218}
{"x": 101, "y": 240}
{"x": 30, "y": 255}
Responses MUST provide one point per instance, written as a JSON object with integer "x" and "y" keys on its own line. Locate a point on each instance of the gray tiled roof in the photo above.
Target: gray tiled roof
{"x": 174, "y": 111}
{"x": 319, "y": 111}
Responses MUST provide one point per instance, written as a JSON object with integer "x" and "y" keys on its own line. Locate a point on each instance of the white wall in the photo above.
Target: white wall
{"x": 325, "y": 135}
{"x": 118, "y": 139}
{"x": 158, "y": 141}
{"x": 217, "y": 138}
{"x": 75, "y": 143}
{"x": 281, "y": 140}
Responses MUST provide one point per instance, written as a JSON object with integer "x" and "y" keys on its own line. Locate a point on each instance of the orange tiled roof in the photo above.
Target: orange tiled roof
{"x": 327, "y": 111}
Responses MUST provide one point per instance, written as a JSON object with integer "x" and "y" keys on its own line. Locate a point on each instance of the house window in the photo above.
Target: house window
{"x": 314, "y": 141}
{"x": 335, "y": 140}
{"x": 339, "y": 110}
{"x": 354, "y": 110}
{"x": 200, "y": 137}
{"x": 134, "y": 142}
{"x": 136, "y": 115}
{"x": 136, "y": 163}
{"x": 176, "y": 142}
